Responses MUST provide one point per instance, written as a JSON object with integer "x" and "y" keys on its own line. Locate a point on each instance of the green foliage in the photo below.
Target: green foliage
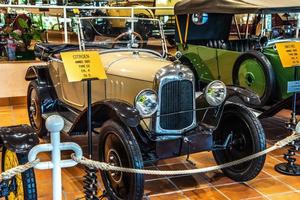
{"x": 29, "y": 33}
{"x": 23, "y": 23}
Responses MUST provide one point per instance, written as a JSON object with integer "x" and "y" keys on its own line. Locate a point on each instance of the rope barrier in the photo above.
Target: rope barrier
{"x": 16, "y": 170}
{"x": 107, "y": 167}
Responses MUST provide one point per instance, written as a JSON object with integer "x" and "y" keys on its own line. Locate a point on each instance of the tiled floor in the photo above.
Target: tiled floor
{"x": 214, "y": 185}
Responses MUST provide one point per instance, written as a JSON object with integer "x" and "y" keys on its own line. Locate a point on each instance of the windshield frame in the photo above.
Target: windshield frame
{"x": 163, "y": 42}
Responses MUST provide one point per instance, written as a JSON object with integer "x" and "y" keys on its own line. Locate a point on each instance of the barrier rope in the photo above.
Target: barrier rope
{"x": 107, "y": 167}
{"x": 16, "y": 170}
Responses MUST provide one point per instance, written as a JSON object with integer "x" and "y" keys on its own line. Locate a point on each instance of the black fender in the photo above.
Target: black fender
{"x": 119, "y": 111}
{"x": 246, "y": 95}
{"x": 19, "y": 139}
{"x": 212, "y": 115}
{"x": 108, "y": 109}
{"x": 40, "y": 74}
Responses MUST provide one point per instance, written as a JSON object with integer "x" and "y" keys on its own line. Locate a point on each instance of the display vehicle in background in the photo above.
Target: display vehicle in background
{"x": 234, "y": 42}
{"x": 15, "y": 143}
{"x": 146, "y": 110}
{"x": 146, "y": 30}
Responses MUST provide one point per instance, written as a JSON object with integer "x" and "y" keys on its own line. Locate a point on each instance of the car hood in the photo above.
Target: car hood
{"x": 136, "y": 65}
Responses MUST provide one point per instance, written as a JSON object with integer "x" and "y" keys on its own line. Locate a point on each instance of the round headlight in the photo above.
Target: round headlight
{"x": 146, "y": 102}
{"x": 215, "y": 93}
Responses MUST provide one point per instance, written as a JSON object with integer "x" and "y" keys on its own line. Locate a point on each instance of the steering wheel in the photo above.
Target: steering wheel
{"x": 135, "y": 34}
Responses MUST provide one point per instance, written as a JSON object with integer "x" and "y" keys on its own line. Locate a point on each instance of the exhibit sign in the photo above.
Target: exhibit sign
{"x": 293, "y": 86}
{"x": 83, "y": 65}
{"x": 289, "y": 53}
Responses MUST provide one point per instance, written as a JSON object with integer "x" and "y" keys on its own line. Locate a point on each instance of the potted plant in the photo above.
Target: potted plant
{"x": 23, "y": 31}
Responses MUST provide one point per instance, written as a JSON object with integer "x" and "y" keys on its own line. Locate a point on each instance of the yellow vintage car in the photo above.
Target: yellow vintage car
{"x": 165, "y": 15}
{"x": 146, "y": 110}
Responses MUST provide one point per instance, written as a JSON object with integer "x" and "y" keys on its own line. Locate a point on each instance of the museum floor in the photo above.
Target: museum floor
{"x": 268, "y": 185}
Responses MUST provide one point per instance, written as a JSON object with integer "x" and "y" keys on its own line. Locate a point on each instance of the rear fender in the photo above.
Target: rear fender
{"x": 39, "y": 73}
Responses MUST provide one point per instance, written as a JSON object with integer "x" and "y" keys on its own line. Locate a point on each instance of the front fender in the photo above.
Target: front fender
{"x": 124, "y": 111}
{"x": 212, "y": 115}
{"x": 246, "y": 95}
{"x": 105, "y": 110}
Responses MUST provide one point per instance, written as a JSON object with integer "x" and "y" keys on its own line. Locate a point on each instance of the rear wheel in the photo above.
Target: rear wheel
{"x": 34, "y": 108}
{"x": 253, "y": 70}
{"x": 25, "y": 182}
{"x": 247, "y": 138}
{"x": 119, "y": 147}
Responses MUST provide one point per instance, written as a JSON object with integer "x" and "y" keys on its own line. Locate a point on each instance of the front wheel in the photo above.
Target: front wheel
{"x": 25, "y": 182}
{"x": 119, "y": 147}
{"x": 247, "y": 138}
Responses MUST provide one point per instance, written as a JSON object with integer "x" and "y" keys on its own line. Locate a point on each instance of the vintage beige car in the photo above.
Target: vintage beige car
{"x": 146, "y": 110}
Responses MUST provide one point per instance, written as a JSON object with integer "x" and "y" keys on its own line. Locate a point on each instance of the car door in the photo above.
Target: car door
{"x": 71, "y": 93}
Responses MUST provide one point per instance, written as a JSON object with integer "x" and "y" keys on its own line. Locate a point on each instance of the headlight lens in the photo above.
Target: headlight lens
{"x": 215, "y": 93}
{"x": 146, "y": 102}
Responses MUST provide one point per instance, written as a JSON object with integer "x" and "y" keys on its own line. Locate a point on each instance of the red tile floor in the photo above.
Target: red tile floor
{"x": 214, "y": 185}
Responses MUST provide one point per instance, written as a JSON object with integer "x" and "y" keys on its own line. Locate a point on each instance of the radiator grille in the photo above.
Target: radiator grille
{"x": 176, "y": 96}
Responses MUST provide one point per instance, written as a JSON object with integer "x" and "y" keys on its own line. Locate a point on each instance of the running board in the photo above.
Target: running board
{"x": 67, "y": 124}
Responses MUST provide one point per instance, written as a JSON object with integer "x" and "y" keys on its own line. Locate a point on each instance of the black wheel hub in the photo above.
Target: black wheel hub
{"x": 240, "y": 144}
{"x": 34, "y": 111}
{"x": 113, "y": 159}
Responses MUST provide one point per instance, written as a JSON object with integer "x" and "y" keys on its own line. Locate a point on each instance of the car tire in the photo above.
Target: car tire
{"x": 119, "y": 147}
{"x": 25, "y": 182}
{"x": 247, "y": 138}
{"x": 264, "y": 69}
{"x": 34, "y": 108}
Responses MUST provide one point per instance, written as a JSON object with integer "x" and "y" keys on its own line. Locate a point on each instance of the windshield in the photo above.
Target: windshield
{"x": 122, "y": 33}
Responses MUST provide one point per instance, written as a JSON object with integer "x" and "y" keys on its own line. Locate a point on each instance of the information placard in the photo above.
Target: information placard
{"x": 83, "y": 65}
{"x": 289, "y": 53}
{"x": 293, "y": 86}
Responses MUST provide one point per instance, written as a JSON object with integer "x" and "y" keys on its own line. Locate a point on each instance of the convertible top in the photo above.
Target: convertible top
{"x": 44, "y": 50}
{"x": 236, "y": 6}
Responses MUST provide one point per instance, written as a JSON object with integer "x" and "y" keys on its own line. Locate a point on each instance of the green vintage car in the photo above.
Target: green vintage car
{"x": 234, "y": 41}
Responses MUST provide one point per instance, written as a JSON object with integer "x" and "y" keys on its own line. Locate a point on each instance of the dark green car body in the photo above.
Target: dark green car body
{"x": 217, "y": 64}
{"x": 231, "y": 41}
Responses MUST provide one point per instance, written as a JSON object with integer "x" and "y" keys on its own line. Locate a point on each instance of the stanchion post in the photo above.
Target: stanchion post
{"x": 55, "y": 124}
{"x": 290, "y": 167}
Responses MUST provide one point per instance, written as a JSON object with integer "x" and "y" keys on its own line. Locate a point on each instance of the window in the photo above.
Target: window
{"x": 199, "y": 19}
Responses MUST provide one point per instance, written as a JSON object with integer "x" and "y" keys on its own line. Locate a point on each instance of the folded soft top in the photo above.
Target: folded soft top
{"x": 236, "y": 6}
{"x": 43, "y": 50}
{"x": 55, "y": 48}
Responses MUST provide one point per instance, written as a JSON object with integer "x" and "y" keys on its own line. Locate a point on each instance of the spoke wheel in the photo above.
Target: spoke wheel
{"x": 25, "y": 182}
{"x": 247, "y": 137}
{"x": 254, "y": 71}
{"x": 34, "y": 109}
{"x": 119, "y": 148}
